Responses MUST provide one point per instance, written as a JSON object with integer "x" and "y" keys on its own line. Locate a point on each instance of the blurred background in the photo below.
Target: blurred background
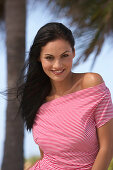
{"x": 92, "y": 26}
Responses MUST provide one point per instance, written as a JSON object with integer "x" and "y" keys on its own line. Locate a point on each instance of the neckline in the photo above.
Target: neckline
{"x": 73, "y": 93}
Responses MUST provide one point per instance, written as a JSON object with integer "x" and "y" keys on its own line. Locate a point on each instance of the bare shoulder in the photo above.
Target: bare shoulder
{"x": 91, "y": 79}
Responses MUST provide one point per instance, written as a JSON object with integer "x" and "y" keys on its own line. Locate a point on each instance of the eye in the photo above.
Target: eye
{"x": 49, "y": 58}
{"x": 65, "y": 55}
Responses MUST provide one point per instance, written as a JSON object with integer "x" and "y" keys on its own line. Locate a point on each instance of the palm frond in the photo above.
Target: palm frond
{"x": 92, "y": 19}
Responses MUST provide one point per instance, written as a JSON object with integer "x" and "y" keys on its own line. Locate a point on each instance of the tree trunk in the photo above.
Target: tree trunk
{"x": 15, "y": 15}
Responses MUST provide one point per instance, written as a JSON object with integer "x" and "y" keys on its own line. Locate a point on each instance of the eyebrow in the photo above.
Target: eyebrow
{"x": 61, "y": 54}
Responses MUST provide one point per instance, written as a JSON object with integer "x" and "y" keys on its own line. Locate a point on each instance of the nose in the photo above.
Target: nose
{"x": 57, "y": 64}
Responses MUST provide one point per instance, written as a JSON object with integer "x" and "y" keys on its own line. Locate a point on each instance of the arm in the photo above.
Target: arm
{"x": 104, "y": 133}
{"x": 105, "y": 154}
{"x": 42, "y": 153}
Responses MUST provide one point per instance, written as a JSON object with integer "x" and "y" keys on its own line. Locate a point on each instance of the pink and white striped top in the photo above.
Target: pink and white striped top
{"x": 65, "y": 128}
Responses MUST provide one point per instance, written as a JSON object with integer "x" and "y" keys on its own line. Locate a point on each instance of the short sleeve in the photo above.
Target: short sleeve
{"x": 104, "y": 110}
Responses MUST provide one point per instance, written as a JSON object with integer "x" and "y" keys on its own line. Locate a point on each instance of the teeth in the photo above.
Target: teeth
{"x": 59, "y": 71}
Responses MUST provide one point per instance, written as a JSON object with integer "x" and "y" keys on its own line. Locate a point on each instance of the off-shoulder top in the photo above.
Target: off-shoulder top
{"x": 66, "y": 128}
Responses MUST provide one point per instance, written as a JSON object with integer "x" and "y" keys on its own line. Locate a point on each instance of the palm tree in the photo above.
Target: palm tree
{"x": 92, "y": 22}
{"x": 13, "y": 14}
{"x": 93, "y": 19}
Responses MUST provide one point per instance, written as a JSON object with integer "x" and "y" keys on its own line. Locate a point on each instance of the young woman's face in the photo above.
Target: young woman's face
{"x": 56, "y": 58}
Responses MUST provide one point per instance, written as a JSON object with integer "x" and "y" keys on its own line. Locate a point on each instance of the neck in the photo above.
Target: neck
{"x": 61, "y": 87}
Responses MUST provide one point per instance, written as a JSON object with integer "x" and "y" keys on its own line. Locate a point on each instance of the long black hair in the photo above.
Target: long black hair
{"x": 36, "y": 86}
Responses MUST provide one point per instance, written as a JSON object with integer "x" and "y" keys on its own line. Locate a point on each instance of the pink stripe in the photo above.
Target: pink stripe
{"x": 65, "y": 128}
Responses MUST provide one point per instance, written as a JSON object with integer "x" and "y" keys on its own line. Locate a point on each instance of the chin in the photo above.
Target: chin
{"x": 58, "y": 79}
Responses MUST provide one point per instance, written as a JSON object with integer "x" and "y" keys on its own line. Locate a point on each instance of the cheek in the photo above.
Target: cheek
{"x": 68, "y": 61}
{"x": 46, "y": 65}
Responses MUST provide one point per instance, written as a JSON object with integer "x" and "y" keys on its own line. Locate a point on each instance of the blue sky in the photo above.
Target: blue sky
{"x": 37, "y": 18}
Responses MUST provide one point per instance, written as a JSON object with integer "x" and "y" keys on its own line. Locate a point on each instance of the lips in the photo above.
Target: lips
{"x": 57, "y": 72}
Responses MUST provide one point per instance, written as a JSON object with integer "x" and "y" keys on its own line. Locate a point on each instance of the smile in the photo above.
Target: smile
{"x": 57, "y": 72}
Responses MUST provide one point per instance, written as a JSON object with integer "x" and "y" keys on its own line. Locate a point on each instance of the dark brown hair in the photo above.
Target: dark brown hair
{"x": 36, "y": 86}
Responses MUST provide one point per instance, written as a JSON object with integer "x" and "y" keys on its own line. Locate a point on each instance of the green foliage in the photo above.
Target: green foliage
{"x": 111, "y": 165}
{"x": 32, "y": 159}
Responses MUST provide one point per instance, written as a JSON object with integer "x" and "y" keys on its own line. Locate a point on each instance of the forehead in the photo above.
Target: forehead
{"x": 58, "y": 45}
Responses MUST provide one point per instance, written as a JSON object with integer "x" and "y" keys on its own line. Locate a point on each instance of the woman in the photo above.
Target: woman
{"x": 69, "y": 113}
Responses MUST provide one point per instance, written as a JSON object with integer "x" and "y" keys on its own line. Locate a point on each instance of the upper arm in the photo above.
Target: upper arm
{"x": 105, "y": 135}
{"x": 104, "y": 132}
